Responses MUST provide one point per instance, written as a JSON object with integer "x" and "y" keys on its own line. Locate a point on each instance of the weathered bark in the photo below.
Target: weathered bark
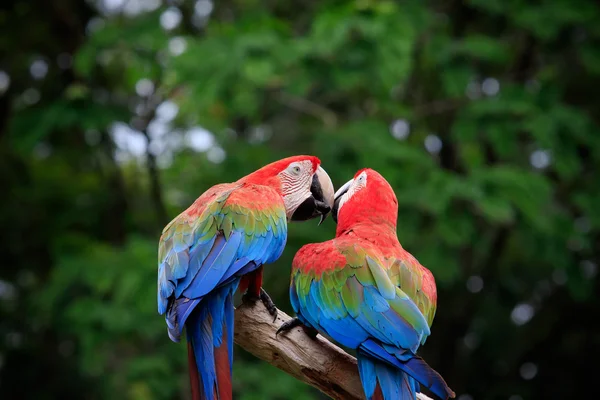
{"x": 317, "y": 362}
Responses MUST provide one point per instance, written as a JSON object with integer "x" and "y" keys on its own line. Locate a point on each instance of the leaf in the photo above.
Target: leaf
{"x": 484, "y": 48}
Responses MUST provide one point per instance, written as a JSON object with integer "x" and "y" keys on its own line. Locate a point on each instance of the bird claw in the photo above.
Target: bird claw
{"x": 266, "y": 299}
{"x": 251, "y": 299}
{"x": 310, "y": 331}
{"x": 294, "y": 322}
{"x": 288, "y": 325}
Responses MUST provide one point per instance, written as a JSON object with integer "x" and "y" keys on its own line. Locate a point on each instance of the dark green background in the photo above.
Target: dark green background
{"x": 506, "y": 213}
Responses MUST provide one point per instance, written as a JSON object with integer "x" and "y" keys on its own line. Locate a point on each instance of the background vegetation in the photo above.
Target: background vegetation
{"x": 115, "y": 115}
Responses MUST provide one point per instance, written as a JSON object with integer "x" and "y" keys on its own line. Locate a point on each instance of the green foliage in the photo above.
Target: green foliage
{"x": 251, "y": 381}
{"x": 505, "y": 213}
{"x": 105, "y": 298}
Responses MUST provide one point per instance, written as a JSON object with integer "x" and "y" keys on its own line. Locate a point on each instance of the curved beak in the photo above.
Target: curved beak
{"x": 321, "y": 200}
{"x": 337, "y": 197}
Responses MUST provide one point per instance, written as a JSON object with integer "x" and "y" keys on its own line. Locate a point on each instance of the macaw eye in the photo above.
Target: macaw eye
{"x": 294, "y": 169}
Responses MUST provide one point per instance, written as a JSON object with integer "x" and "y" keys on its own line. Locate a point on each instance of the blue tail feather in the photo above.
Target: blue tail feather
{"x": 393, "y": 383}
{"x": 414, "y": 367}
{"x": 205, "y": 331}
{"x": 228, "y": 318}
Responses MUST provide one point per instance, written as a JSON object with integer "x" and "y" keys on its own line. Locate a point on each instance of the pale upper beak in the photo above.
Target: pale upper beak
{"x": 327, "y": 191}
{"x": 337, "y": 197}
{"x": 321, "y": 200}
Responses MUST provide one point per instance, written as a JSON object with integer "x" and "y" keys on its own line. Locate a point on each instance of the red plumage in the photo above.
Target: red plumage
{"x": 267, "y": 175}
{"x": 223, "y": 369}
{"x": 365, "y": 291}
{"x": 373, "y": 214}
{"x": 194, "y": 376}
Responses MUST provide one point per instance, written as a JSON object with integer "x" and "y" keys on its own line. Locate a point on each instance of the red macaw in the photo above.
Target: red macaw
{"x": 219, "y": 244}
{"x": 366, "y": 292}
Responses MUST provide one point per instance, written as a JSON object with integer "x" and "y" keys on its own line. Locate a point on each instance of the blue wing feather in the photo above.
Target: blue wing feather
{"x": 345, "y": 331}
{"x": 199, "y": 252}
{"x": 240, "y": 267}
{"x": 216, "y": 264}
{"x": 373, "y": 318}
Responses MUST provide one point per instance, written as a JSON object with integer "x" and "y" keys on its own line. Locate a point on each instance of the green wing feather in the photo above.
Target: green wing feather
{"x": 407, "y": 274}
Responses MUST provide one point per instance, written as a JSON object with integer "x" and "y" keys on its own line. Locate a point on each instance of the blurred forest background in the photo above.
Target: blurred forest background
{"x": 115, "y": 115}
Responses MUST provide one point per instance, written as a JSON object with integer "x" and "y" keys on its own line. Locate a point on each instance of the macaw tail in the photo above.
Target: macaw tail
{"x": 210, "y": 345}
{"x": 381, "y": 381}
{"x": 410, "y": 371}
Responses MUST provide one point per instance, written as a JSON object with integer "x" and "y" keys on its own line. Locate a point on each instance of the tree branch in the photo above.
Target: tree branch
{"x": 317, "y": 362}
{"x": 308, "y": 107}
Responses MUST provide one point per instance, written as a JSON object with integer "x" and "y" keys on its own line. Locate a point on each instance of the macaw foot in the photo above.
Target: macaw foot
{"x": 294, "y": 322}
{"x": 265, "y": 298}
{"x": 288, "y": 325}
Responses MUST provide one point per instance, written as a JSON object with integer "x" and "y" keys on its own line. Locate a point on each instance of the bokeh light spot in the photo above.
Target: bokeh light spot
{"x": 540, "y": 159}
{"x": 144, "y": 87}
{"x": 38, "y": 69}
{"x": 433, "y": 143}
{"x": 522, "y": 313}
{"x": 528, "y": 371}
{"x": 400, "y": 129}
{"x": 475, "y": 284}
{"x": 199, "y": 139}
{"x": 170, "y": 18}
{"x": 177, "y": 46}
{"x": 4, "y": 82}
{"x": 490, "y": 86}
{"x": 216, "y": 155}
{"x": 203, "y": 8}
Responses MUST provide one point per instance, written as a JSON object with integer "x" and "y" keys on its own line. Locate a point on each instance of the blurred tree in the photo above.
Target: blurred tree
{"x": 115, "y": 115}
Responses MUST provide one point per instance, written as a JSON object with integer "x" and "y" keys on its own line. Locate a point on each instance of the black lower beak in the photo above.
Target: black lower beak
{"x": 336, "y": 207}
{"x": 314, "y": 206}
{"x": 311, "y": 208}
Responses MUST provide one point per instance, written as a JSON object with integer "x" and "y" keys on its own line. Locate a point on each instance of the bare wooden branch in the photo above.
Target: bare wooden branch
{"x": 317, "y": 362}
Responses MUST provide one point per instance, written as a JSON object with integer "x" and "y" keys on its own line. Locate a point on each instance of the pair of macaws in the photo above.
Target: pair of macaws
{"x": 360, "y": 288}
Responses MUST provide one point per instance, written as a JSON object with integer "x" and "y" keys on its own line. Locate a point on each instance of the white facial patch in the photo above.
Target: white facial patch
{"x": 296, "y": 180}
{"x": 356, "y": 184}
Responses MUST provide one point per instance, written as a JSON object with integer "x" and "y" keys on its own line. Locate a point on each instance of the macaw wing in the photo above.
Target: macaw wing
{"x": 230, "y": 230}
{"x": 417, "y": 282}
{"x": 355, "y": 300}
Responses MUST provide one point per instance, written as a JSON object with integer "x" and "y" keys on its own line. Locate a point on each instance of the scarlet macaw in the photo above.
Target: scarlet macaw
{"x": 366, "y": 292}
{"x": 219, "y": 244}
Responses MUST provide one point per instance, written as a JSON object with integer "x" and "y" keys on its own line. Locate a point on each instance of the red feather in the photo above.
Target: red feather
{"x": 194, "y": 376}
{"x": 377, "y": 395}
{"x": 252, "y": 282}
{"x": 223, "y": 390}
{"x": 376, "y": 206}
{"x": 223, "y": 369}
{"x": 266, "y": 174}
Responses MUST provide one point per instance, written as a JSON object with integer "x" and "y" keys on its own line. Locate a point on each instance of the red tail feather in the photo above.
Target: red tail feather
{"x": 194, "y": 376}
{"x": 377, "y": 395}
{"x": 223, "y": 369}
{"x": 223, "y": 390}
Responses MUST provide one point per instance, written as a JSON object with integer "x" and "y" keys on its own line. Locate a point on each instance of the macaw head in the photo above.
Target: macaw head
{"x": 306, "y": 188}
{"x": 367, "y": 197}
